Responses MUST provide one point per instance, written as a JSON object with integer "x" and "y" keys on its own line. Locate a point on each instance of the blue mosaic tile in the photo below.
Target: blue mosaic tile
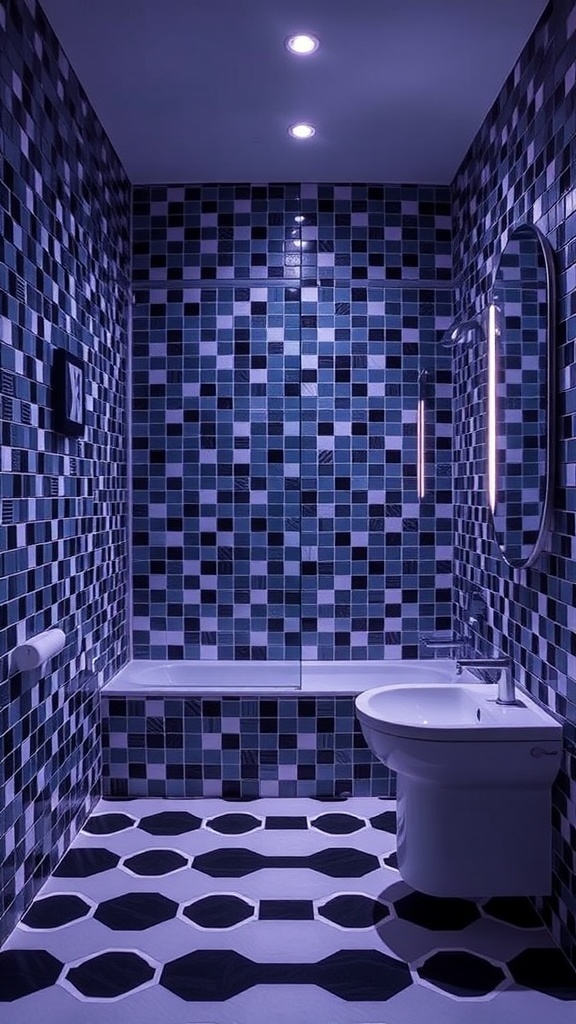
{"x": 65, "y": 279}
{"x": 520, "y": 168}
{"x": 297, "y": 746}
{"x": 275, "y": 505}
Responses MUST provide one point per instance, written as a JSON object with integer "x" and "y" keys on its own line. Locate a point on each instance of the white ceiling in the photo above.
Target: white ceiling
{"x": 203, "y": 90}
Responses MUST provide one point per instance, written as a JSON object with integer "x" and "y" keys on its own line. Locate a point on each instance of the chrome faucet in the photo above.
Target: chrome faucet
{"x": 506, "y": 692}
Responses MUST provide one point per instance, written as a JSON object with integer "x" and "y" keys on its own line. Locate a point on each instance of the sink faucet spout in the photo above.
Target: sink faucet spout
{"x": 506, "y": 691}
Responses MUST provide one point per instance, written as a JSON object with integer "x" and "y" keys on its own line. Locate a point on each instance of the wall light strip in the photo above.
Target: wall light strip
{"x": 491, "y": 438}
{"x": 421, "y": 436}
{"x": 421, "y": 482}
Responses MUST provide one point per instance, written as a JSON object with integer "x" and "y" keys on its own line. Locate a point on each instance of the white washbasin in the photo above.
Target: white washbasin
{"x": 453, "y": 711}
{"x": 474, "y": 785}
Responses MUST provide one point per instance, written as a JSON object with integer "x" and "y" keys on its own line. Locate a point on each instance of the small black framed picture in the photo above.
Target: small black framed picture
{"x": 68, "y": 390}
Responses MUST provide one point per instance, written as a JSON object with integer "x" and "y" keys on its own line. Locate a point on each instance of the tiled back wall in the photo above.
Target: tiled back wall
{"x": 278, "y": 335}
{"x": 64, "y": 283}
{"x": 521, "y": 167}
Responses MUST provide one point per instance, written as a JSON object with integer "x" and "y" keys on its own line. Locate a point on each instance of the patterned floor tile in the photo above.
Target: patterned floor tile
{"x": 285, "y": 911}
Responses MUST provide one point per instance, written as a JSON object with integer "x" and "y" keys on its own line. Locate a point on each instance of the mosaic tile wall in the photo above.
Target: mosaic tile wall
{"x": 278, "y": 336}
{"x": 237, "y": 747}
{"x": 521, "y": 167}
{"x": 64, "y": 283}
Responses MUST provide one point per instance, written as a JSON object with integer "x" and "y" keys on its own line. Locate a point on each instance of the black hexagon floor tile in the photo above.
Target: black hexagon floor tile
{"x": 110, "y": 974}
{"x": 513, "y": 910}
{"x": 83, "y": 862}
{"x": 135, "y": 911}
{"x": 437, "y": 913}
{"x": 385, "y": 822}
{"x": 338, "y": 824}
{"x": 234, "y": 824}
{"x": 546, "y": 970}
{"x": 170, "y": 823}
{"x": 24, "y": 971}
{"x": 353, "y": 910}
{"x": 461, "y": 973}
{"x": 55, "y": 911}
{"x": 222, "y": 911}
{"x": 107, "y": 824}
{"x": 237, "y": 862}
{"x": 354, "y": 975}
{"x": 155, "y": 862}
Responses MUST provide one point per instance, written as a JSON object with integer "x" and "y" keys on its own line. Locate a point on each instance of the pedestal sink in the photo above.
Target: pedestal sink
{"x": 474, "y": 785}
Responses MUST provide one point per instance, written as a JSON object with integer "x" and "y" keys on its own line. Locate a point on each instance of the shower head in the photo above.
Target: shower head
{"x": 458, "y": 331}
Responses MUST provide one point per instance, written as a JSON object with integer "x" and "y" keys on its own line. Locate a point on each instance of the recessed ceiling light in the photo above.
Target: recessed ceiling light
{"x": 302, "y": 44}
{"x": 302, "y": 131}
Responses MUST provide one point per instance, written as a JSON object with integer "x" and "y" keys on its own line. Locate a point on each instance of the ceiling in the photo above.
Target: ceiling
{"x": 203, "y": 90}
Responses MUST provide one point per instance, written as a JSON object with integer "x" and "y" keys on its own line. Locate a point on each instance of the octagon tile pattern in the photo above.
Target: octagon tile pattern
{"x": 195, "y": 911}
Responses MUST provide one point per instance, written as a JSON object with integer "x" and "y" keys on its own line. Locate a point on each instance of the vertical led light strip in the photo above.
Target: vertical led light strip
{"x": 492, "y": 407}
{"x": 420, "y": 438}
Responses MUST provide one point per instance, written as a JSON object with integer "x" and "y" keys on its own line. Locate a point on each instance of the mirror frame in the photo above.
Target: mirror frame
{"x": 529, "y": 230}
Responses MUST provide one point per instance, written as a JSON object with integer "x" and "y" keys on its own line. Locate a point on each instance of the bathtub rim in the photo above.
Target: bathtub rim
{"x": 126, "y": 682}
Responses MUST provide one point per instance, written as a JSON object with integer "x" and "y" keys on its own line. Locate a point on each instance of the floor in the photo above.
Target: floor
{"x": 286, "y": 911}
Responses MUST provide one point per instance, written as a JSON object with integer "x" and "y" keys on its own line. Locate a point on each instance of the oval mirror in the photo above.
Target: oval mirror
{"x": 521, "y": 415}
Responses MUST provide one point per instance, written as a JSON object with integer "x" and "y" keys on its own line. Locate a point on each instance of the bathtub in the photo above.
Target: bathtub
{"x": 242, "y": 730}
{"x": 147, "y": 678}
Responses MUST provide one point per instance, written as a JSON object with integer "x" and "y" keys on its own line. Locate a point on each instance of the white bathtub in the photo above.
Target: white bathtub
{"x": 163, "y": 678}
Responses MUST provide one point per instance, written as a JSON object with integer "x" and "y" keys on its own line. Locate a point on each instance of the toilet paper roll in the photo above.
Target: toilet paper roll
{"x": 38, "y": 649}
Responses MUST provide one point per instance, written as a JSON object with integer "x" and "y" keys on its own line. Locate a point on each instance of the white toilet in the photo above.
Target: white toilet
{"x": 474, "y": 786}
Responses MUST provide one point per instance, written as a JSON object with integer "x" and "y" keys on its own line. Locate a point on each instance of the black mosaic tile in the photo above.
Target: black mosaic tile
{"x": 516, "y": 172}
{"x": 65, "y": 263}
{"x": 295, "y": 763}
{"x": 348, "y": 341}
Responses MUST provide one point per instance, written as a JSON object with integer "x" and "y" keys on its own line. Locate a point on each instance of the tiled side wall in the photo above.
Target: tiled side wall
{"x": 521, "y": 167}
{"x": 64, "y": 280}
{"x": 278, "y": 336}
{"x": 238, "y": 747}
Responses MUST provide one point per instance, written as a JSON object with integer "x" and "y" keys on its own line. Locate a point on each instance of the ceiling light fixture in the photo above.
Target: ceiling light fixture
{"x": 302, "y": 44}
{"x": 302, "y": 130}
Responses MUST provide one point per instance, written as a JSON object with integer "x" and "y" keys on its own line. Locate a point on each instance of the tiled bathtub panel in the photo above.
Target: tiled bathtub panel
{"x": 237, "y": 747}
{"x": 64, "y": 277}
{"x": 274, "y": 421}
{"x": 521, "y": 167}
